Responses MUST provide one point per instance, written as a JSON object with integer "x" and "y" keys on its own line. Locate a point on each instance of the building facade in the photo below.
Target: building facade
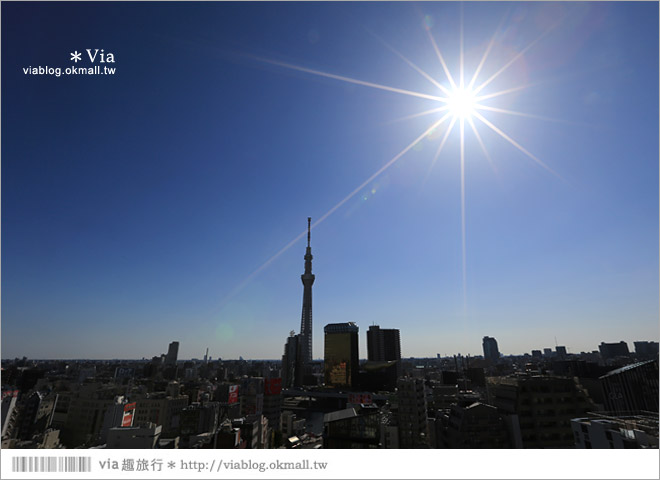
{"x": 540, "y": 408}
{"x": 341, "y": 365}
{"x": 412, "y": 418}
{"x": 632, "y": 388}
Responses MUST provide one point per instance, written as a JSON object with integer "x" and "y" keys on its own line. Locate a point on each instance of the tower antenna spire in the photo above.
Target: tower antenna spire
{"x": 306, "y": 320}
{"x": 309, "y": 229}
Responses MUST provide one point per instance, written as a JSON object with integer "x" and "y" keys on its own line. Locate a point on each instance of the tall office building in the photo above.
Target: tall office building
{"x": 172, "y": 353}
{"x": 306, "y": 320}
{"x": 491, "y": 352}
{"x": 341, "y": 365}
{"x": 383, "y": 344}
{"x": 292, "y": 370}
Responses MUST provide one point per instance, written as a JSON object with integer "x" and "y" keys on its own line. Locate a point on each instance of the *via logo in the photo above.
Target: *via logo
{"x": 94, "y": 55}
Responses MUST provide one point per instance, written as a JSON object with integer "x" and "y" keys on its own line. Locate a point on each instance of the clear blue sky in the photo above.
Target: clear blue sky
{"x": 135, "y": 205}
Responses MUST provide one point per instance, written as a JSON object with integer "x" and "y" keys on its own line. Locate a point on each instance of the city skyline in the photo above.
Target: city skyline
{"x": 362, "y": 354}
{"x": 168, "y": 202}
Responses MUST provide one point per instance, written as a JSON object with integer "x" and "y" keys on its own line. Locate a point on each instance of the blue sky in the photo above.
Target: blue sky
{"x": 136, "y": 205}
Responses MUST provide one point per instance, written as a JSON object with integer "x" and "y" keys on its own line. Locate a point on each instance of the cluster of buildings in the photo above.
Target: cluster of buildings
{"x": 607, "y": 398}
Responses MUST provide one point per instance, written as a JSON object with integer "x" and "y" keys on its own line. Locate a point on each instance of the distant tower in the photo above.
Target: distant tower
{"x": 306, "y": 321}
{"x": 172, "y": 353}
{"x": 491, "y": 351}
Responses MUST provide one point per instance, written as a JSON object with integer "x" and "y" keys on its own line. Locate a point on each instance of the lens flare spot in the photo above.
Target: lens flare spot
{"x": 224, "y": 333}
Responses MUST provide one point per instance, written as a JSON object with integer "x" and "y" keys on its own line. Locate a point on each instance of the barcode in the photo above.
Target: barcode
{"x": 51, "y": 464}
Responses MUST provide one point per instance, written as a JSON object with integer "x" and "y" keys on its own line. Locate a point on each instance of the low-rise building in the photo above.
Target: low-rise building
{"x": 352, "y": 428}
{"x": 134, "y": 437}
{"x": 475, "y": 426}
{"x": 609, "y": 430}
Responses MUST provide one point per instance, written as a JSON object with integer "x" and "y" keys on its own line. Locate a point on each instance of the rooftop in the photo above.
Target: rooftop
{"x": 339, "y": 415}
{"x": 349, "y": 327}
{"x": 627, "y": 367}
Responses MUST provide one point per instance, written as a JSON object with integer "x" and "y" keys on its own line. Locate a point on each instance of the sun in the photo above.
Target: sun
{"x": 458, "y": 102}
{"x": 462, "y": 102}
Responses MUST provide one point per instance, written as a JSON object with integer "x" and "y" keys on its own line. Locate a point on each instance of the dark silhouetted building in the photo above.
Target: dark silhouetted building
{"x": 491, "y": 352}
{"x": 341, "y": 365}
{"x": 292, "y": 362}
{"x": 38, "y": 410}
{"x": 172, "y": 353}
{"x": 475, "y": 426}
{"x": 375, "y": 376}
{"x": 412, "y": 413}
{"x": 632, "y": 388}
{"x": 383, "y": 344}
{"x": 273, "y": 402}
{"x": 352, "y": 428}
{"x": 612, "y": 350}
{"x": 252, "y": 395}
{"x": 646, "y": 349}
{"x": 540, "y": 408}
{"x": 199, "y": 418}
{"x": 477, "y": 376}
{"x": 227, "y": 395}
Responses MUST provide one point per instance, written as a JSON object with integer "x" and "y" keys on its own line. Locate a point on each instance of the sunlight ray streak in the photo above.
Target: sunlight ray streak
{"x": 514, "y": 59}
{"x": 530, "y": 115}
{"x": 420, "y": 114}
{"x": 486, "y": 53}
{"x": 350, "y": 80}
{"x": 503, "y": 92}
{"x": 463, "y": 242}
{"x": 461, "y": 61}
{"x": 393, "y": 160}
{"x": 517, "y": 145}
{"x": 481, "y": 143}
{"x": 411, "y": 64}
{"x": 379, "y": 171}
{"x": 442, "y": 60}
{"x": 442, "y": 144}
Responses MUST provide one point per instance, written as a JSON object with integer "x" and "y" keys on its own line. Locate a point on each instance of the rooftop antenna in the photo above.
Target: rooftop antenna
{"x": 555, "y": 341}
{"x": 309, "y": 228}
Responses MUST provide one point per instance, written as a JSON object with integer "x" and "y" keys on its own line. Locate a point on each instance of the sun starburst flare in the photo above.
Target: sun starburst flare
{"x": 459, "y": 101}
